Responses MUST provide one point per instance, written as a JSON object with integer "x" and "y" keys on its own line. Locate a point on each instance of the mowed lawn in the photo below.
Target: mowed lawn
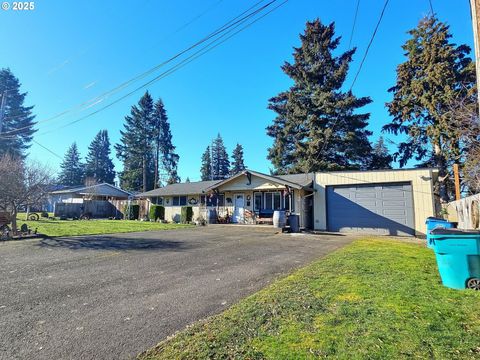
{"x": 376, "y": 299}
{"x": 56, "y": 227}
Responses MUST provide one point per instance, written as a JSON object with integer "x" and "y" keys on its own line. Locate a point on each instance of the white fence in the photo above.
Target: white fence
{"x": 465, "y": 211}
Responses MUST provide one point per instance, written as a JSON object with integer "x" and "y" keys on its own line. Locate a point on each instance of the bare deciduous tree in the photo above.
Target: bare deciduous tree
{"x": 22, "y": 184}
{"x": 466, "y": 123}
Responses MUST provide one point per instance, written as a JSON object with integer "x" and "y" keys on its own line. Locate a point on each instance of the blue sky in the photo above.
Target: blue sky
{"x": 68, "y": 52}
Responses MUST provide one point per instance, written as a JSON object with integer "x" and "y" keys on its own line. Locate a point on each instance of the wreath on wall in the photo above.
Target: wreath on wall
{"x": 248, "y": 197}
{"x": 193, "y": 201}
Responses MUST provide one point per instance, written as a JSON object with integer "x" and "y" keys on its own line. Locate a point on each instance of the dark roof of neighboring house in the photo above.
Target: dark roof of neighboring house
{"x": 187, "y": 188}
{"x": 99, "y": 190}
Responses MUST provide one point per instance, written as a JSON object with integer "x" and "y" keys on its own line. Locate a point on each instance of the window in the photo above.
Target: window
{"x": 179, "y": 201}
{"x": 257, "y": 204}
{"x": 277, "y": 203}
{"x": 159, "y": 200}
{"x": 273, "y": 201}
{"x": 212, "y": 200}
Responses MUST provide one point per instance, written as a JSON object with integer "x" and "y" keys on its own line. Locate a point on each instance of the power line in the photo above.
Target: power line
{"x": 89, "y": 103}
{"x": 47, "y": 149}
{"x": 369, "y": 44}
{"x": 431, "y": 7}
{"x": 207, "y": 48}
{"x": 354, "y": 23}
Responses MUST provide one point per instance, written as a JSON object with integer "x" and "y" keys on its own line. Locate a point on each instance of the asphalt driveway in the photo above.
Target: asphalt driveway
{"x": 113, "y": 296}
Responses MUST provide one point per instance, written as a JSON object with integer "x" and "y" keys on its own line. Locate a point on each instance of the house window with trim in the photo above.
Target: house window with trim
{"x": 159, "y": 200}
{"x": 257, "y": 201}
{"x": 273, "y": 201}
{"x": 179, "y": 201}
{"x": 212, "y": 200}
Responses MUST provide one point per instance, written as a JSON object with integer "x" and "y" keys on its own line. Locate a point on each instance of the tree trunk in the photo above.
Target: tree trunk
{"x": 13, "y": 213}
{"x": 157, "y": 152}
{"x": 442, "y": 173}
{"x": 144, "y": 170}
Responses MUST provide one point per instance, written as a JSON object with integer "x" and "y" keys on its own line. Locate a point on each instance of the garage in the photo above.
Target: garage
{"x": 380, "y": 209}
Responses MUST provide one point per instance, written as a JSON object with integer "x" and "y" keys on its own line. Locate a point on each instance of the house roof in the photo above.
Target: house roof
{"x": 296, "y": 181}
{"x": 103, "y": 189}
{"x": 187, "y": 188}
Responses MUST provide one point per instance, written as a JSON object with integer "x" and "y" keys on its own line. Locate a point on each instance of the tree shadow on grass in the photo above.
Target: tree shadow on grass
{"x": 113, "y": 243}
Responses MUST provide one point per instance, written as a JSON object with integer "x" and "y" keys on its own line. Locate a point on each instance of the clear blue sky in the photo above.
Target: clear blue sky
{"x": 67, "y": 52}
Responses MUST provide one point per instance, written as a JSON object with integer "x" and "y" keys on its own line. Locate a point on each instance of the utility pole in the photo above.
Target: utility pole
{"x": 475, "y": 12}
{"x": 2, "y": 109}
{"x": 456, "y": 176}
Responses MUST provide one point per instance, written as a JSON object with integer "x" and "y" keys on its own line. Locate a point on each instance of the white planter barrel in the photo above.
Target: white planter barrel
{"x": 279, "y": 219}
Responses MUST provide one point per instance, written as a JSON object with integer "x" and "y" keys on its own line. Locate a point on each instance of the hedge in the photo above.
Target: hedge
{"x": 187, "y": 214}
{"x": 133, "y": 213}
{"x": 156, "y": 212}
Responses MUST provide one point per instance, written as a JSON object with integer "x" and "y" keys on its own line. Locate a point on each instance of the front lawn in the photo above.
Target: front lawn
{"x": 376, "y": 299}
{"x": 56, "y": 227}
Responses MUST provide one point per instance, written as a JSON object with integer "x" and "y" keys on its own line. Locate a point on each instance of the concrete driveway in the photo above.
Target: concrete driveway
{"x": 113, "y": 296}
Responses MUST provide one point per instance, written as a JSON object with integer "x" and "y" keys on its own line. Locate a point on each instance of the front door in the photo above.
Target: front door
{"x": 239, "y": 208}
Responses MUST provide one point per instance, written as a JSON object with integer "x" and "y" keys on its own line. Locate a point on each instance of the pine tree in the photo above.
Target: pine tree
{"x": 164, "y": 151}
{"x": 380, "y": 157}
{"x": 187, "y": 180}
{"x": 220, "y": 162}
{"x": 206, "y": 168}
{"x": 99, "y": 165}
{"x": 435, "y": 75}
{"x": 237, "y": 163}
{"x": 17, "y": 125}
{"x": 318, "y": 126}
{"x": 72, "y": 168}
{"x": 135, "y": 149}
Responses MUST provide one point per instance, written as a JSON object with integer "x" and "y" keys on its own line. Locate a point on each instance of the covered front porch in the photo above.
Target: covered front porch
{"x": 251, "y": 198}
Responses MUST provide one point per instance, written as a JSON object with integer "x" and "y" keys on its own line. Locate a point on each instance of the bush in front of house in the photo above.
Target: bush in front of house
{"x": 131, "y": 212}
{"x": 187, "y": 214}
{"x": 157, "y": 212}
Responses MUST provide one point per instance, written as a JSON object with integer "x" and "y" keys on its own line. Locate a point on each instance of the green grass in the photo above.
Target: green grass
{"x": 374, "y": 299}
{"x": 93, "y": 227}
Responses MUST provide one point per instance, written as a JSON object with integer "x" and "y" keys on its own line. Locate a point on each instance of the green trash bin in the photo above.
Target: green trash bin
{"x": 458, "y": 257}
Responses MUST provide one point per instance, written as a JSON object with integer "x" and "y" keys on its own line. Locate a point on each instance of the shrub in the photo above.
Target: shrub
{"x": 131, "y": 212}
{"x": 157, "y": 212}
{"x": 187, "y": 214}
{"x": 44, "y": 214}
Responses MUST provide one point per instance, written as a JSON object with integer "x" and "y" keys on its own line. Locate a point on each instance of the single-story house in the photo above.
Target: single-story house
{"x": 387, "y": 202}
{"x": 100, "y": 200}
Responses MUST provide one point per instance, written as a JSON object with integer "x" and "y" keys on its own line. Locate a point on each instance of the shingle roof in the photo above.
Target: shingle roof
{"x": 99, "y": 190}
{"x": 304, "y": 179}
{"x": 188, "y": 188}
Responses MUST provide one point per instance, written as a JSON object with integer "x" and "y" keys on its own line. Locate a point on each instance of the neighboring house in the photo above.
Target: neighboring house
{"x": 100, "y": 200}
{"x": 390, "y": 202}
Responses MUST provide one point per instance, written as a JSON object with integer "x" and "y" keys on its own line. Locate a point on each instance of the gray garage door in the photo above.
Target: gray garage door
{"x": 383, "y": 209}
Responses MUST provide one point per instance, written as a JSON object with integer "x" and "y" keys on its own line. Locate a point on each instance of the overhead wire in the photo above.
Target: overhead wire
{"x": 87, "y": 104}
{"x": 353, "y": 25}
{"x": 207, "y": 48}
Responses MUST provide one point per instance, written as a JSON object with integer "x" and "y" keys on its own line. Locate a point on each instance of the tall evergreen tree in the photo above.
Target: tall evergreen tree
{"x": 164, "y": 151}
{"x": 237, "y": 163}
{"x": 16, "y": 131}
{"x": 99, "y": 165}
{"x": 135, "y": 147}
{"x": 220, "y": 162}
{"x": 206, "y": 168}
{"x": 318, "y": 125}
{"x": 435, "y": 75}
{"x": 380, "y": 157}
{"x": 72, "y": 168}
